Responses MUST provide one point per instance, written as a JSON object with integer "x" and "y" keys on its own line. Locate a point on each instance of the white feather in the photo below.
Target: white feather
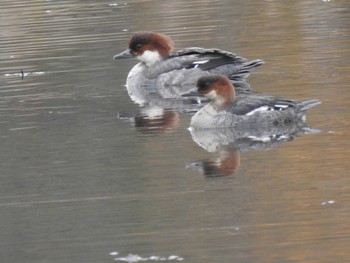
{"x": 201, "y": 61}
{"x": 150, "y": 57}
{"x": 262, "y": 108}
{"x": 260, "y": 139}
{"x": 282, "y": 106}
{"x": 211, "y": 95}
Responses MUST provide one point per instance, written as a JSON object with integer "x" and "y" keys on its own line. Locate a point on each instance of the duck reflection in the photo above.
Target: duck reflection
{"x": 146, "y": 93}
{"x": 226, "y": 164}
{"x": 158, "y": 114}
{"x": 230, "y": 142}
{"x": 153, "y": 120}
{"x": 156, "y": 120}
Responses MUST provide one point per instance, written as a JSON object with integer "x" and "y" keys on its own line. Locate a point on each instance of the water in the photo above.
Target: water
{"x": 79, "y": 184}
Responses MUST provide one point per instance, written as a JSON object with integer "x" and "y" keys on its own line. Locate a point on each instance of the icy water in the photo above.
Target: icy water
{"x": 80, "y": 184}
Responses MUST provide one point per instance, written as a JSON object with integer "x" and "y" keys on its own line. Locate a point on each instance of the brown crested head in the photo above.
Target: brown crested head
{"x": 142, "y": 41}
{"x": 217, "y": 88}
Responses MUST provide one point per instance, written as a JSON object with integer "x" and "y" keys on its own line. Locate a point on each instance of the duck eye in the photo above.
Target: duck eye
{"x": 207, "y": 84}
{"x": 138, "y": 46}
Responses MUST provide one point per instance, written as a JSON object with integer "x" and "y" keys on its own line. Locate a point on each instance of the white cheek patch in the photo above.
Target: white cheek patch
{"x": 211, "y": 95}
{"x": 150, "y": 57}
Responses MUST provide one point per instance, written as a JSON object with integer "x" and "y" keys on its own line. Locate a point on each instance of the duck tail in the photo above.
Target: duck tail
{"x": 247, "y": 67}
{"x": 305, "y": 105}
{"x": 253, "y": 63}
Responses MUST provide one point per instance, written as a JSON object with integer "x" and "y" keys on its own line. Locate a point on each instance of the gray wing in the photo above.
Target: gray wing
{"x": 248, "y": 103}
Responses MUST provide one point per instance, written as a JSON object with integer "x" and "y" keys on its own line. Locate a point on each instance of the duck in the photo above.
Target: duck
{"x": 228, "y": 109}
{"x": 230, "y": 143}
{"x": 174, "y": 74}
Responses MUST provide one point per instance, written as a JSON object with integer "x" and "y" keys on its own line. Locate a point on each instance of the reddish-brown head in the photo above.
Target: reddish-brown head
{"x": 151, "y": 41}
{"x": 218, "y": 88}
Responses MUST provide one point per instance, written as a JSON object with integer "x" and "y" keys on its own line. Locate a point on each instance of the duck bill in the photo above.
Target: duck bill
{"x": 192, "y": 93}
{"x": 124, "y": 54}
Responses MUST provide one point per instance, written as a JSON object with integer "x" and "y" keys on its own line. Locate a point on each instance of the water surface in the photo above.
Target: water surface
{"x": 78, "y": 183}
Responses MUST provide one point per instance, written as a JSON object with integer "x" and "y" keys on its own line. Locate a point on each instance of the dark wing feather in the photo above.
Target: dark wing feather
{"x": 215, "y": 57}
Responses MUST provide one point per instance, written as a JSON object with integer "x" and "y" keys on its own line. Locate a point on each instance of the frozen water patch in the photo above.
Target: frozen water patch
{"x": 131, "y": 258}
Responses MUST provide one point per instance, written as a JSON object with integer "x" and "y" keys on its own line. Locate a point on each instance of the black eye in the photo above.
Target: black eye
{"x": 138, "y": 46}
{"x": 207, "y": 84}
